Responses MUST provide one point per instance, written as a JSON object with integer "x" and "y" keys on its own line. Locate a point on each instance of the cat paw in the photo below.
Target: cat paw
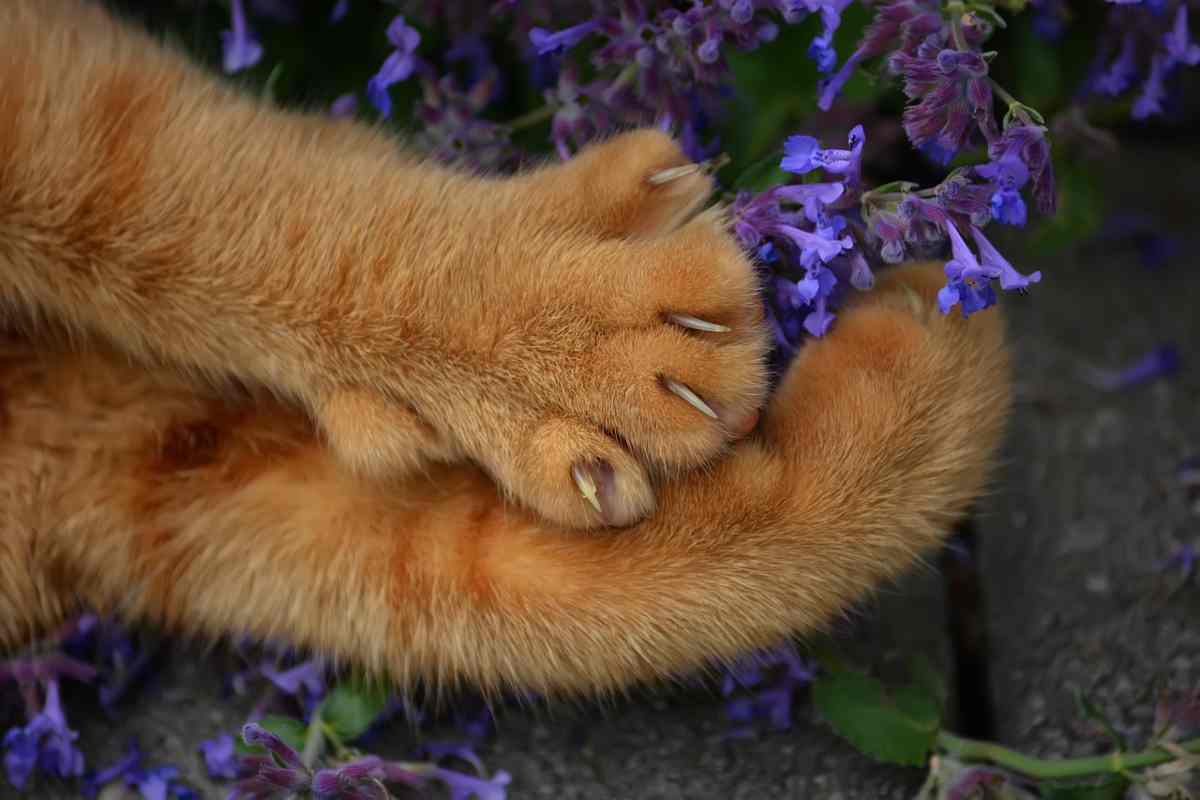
{"x": 607, "y": 366}
{"x": 638, "y": 183}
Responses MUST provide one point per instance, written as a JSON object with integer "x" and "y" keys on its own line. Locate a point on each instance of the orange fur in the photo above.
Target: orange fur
{"x": 133, "y": 492}
{"x": 522, "y": 322}
{"x": 411, "y": 317}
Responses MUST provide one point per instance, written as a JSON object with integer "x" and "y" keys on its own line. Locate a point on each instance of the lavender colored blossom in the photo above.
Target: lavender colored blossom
{"x": 220, "y": 758}
{"x": 545, "y": 42}
{"x": 1160, "y": 362}
{"x": 763, "y": 685}
{"x": 339, "y": 11}
{"x": 344, "y": 106}
{"x": 397, "y": 67}
{"x": 802, "y": 154}
{"x": 465, "y": 787}
{"x": 1185, "y": 558}
{"x": 968, "y": 278}
{"x": 239, "y": 47}
{"x": 45, "y": 744}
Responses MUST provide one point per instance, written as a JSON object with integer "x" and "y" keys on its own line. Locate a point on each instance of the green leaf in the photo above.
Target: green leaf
{"x": 350, "y": 709}
{"x": 929, "y": 678}
{"x": 291, "y": 730}
{"x": 1112, "y": 787}
{"x": 899, "y": 731}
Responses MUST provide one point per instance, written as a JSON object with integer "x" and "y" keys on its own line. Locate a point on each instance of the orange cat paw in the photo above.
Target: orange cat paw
{"x": 638, "y": 183}
{"x": 650, "y": 360}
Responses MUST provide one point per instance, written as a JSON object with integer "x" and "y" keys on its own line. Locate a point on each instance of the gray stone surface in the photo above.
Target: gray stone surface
{"x": 1090, "y": 505}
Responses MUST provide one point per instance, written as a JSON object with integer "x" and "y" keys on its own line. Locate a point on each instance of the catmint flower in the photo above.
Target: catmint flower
{"x": 802, "y": 154}
{"x": 1028, "y": 144}
{"x": 1120, "y": 74}
{"x": 344, "y": 106}
{"x": 763, "y": 685}
{"x": 397, "y": 67}
{"x": 1185, "y": 558}
{"x": 1161, "y": 362}
{"x": 219, "y": 756}
{"x": 1180, "y": 48}
{"x": 466, "y": 787}
{"x": 969, "y": 281}
{"x": 339, "y": 10}
{"x": 1008, "y": 174}
{"x": 46, "y": 744}
{"x": 545, "y": 41}
{"x": 1149, "y": 100}
{"x": 951, "y": 93}
{"x": 240, "y": 50}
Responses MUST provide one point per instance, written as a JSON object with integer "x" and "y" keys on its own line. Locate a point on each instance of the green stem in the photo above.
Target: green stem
{"x": 314, "y": 740}
{"x": 531, "y": 118}
{"x": 1043, "y": 769}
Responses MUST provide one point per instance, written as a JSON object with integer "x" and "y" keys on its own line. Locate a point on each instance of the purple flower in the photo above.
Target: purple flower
{"x": 397, "y": 67}
{"x": 93, "y": 781}
{"x": 219, "y": 756}
{"x": 951, "y": 94}
{"x": 46, "y": 744}
{"x": 339, "y": 10}
{"x": 1149, "y": 100}
{"x": 1179, "y": 46}
{"x": 1185, "y": 558}
{"x": 802, "y": 154}
{"x": 969, "y": 282}
{"x": 1008, "y": 173}
{"x": 465, "y": 787}
{"x": 1028, "y": 145}
{"x": 996, "y": 266}
{"x": 344, "y": 106}
{"x": 1120, "y": 74}
{"x": 1161, "y": 362}
{"x": 239, "y": 47}
{"x": 308, "y": 676}
{"x": 545, "y": 41}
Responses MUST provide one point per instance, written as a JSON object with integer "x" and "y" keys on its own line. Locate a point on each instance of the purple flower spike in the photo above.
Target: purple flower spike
{"x": 240, "y": 50}
{"x": 255, "y": 734}
{"x": 46, "y": 743}
{"x": 339, "y": 10}
{"x": 398, "y": 66}
{"x": 545, "y": 41}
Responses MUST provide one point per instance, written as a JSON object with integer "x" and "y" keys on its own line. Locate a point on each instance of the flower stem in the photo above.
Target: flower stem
{"x": 1042, "y": 769}
{"x": 314, "y": 740}
{"x": 531, "y": 118}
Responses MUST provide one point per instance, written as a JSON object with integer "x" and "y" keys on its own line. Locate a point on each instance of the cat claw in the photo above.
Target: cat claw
{"x": 697, "y": 324}
{"x": 691, "y": 397}
{"x": 673, "y": 173}
{"x": 587, "y": 487}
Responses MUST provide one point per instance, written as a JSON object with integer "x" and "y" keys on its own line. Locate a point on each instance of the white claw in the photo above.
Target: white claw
{"x": 587, "y": 487}
{"x": 674, "y": 173}
{"x": 697, "y": 324}
{"x": 692, "y": 398}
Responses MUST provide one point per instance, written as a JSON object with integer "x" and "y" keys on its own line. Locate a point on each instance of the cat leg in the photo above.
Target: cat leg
{"x": 165, "y": 505}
